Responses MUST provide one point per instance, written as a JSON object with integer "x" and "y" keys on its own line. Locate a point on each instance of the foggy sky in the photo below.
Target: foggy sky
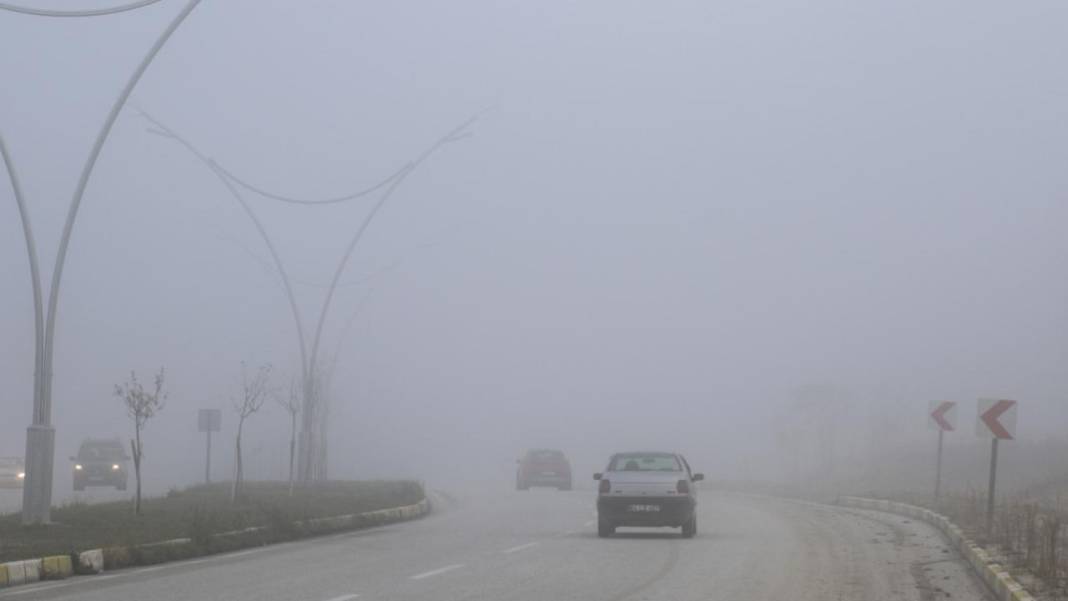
{"x": 673, "y": 216}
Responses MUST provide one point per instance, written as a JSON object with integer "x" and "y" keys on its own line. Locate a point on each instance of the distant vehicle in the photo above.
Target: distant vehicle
{"x": 543, "y": 467}
{"x": 12, "y": 472}
{"x": 100, "y": 462}
{"x": 650, "y": 489}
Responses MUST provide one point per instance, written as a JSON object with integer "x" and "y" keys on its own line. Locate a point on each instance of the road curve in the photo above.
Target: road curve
{"x": 542, "y": 545}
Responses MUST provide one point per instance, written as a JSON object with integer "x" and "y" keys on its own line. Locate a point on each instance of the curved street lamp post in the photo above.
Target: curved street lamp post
{"x": 40, "y": 435}
{"x": 311, "y": 451}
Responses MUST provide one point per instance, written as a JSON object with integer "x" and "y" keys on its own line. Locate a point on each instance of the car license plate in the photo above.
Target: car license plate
{"x": 644, "y": 508}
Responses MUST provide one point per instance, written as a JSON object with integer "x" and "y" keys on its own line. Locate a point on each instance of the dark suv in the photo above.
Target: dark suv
{"x": 543, "y": 467}
{"x": 100, "y": 462}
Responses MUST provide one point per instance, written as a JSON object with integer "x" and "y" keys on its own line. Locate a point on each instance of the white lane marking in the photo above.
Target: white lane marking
{"x": 34, "y": 589}
{"x": 37, "y": 589}
{"x": 343, "y": 598}
{"x": 519, "y": 548}
{"x": 454, "y": 566}
{"x": 151, "y": 569}
{"x": 589, "y": 523}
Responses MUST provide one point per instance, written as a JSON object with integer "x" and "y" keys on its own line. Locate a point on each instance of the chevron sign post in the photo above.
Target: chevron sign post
{"x": 996, "y": 419}
{"x": 941, "y": 416}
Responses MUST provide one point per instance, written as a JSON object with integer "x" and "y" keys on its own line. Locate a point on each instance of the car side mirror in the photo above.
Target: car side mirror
{"x": 597, "y": 476}
{"x": 698, "y": 477}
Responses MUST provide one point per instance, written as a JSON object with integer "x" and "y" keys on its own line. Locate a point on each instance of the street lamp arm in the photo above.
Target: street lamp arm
{"x": 305, "y": 201}
{"x": 457, "y": 133}
{"x": 163, "y": 130}
{"x": 98, "y": 12}
{"x": 35, "y": 277}
{"x": 83, "y": 181}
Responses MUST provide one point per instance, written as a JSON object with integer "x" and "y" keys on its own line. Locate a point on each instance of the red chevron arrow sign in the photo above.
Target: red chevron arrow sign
{"x": 997, "y": 419}
{"x": 942, "y": 415}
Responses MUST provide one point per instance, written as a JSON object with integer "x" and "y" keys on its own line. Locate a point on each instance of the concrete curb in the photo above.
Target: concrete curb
{"x": 1004, "y": 586}
{"x": 20, "y": 572}
{"x": 55, "y": 567}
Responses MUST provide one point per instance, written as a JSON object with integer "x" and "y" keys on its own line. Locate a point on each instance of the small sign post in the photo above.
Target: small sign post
{"x": 209, "y": 420}
{"x": 997, "y": 421}
{"x": 941, "y": 416}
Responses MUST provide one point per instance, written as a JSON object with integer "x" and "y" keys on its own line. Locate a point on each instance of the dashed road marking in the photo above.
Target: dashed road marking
{"x": 438, "y": 571}
{"x": 590, "y": 523}
{"x": 519, "y": 548}
{"x": 344, "y": 598}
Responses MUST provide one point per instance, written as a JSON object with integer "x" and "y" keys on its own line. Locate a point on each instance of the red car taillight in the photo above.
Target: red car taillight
{"x": 604, "y": 487}
{"x": 683, "y": 487}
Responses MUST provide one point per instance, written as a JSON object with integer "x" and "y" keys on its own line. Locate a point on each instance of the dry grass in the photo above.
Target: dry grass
{"x": 197, "y": 513}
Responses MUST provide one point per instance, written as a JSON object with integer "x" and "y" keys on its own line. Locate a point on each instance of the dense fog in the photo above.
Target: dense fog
{"x": 764, "y": 235}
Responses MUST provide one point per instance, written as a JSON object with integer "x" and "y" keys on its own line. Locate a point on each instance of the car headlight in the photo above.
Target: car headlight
{"x": 78, "y": 466}
{"x": 21, "y": 475}
{"x": 115, "y": 467}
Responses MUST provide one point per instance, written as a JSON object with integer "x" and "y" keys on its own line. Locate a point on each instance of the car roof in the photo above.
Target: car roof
{"x": 108, "y": 443}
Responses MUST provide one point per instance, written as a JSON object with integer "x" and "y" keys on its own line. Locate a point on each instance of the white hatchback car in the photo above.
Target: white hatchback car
{"x": 652, "y": 489}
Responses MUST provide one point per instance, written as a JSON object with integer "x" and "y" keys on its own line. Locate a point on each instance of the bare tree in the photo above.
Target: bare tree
{"x": 292, "y": 404}
{"x": 141, "y": 405}
{"x": 254, "y": 393}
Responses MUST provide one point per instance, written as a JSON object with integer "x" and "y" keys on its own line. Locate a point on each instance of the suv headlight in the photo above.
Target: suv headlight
{"x": 115, "y": 467}
{"x": 21, "y": 475}
{"x": 78, "y": 466}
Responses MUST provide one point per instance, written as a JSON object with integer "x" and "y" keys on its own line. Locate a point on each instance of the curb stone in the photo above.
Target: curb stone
{"x": 56, "y": 567}
{"x": 15, "y": 573}
{"x": 21, "y": 572}
{"x": 997, "y": 579}
{"x": 91, "y": 561}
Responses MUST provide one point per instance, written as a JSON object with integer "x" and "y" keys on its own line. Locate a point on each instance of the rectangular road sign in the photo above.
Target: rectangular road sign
{"x": 942, "y": 415}
{"x": 996, "y": 419}
{"x": 209, "y": 420}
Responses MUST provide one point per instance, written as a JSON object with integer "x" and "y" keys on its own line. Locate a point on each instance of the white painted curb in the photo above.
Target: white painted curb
{"x": 1003, "y": 585}
{"x": 15, "y": 573}
{"x": 91, "y": 561}
{"x": 22, "y": 572}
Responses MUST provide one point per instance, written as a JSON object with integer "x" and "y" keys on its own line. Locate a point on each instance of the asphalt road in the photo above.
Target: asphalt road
{"x": 542, "y": 545}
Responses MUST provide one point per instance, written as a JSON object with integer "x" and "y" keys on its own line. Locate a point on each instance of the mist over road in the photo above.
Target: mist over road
{"x": 543, "y": 545}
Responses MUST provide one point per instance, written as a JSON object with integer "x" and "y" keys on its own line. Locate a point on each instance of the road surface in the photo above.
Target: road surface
{"x": 542, "y": 545}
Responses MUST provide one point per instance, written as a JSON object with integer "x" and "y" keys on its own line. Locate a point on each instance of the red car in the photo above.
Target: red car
{"x": 543, "y": 467}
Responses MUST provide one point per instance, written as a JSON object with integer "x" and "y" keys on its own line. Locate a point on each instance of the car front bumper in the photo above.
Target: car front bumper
{"x": 634, "y": 511}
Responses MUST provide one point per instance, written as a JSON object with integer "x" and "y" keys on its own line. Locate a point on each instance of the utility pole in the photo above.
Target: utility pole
{"x": 991, "y": 487}
{"x": 941, "y": 416}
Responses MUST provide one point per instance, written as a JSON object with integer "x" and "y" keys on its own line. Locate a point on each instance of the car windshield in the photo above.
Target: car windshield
{"x": 644, "y": 462}
{"x": 102, "y": 452}
{"x": 546, "y": 456}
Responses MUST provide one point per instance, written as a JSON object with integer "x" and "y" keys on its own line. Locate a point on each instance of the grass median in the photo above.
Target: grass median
{"x": 200, "y": 520}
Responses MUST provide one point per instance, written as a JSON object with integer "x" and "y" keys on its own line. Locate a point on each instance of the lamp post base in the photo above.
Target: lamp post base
{"x": 37, "y": 487}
